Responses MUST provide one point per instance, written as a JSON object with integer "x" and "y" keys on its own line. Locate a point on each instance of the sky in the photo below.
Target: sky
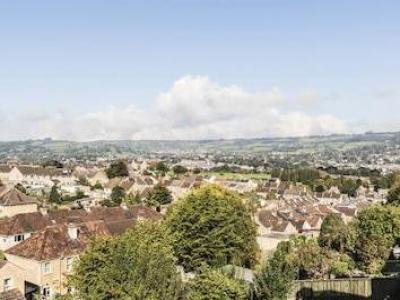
{"x": 197, "y": 69}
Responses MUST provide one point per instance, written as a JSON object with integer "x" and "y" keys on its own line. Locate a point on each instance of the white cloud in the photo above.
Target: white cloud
{"x": 193, "y": 108}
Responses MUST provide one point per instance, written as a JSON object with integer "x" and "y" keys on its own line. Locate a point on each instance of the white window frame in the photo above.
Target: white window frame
{"x": 69, "y": 263}
{"x": 19, "y": 238}
{"x": 46, "y": 267}
{"x": 7, "y": 284}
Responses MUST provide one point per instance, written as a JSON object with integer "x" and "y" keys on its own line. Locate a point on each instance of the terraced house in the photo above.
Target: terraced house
{"x": 40, "y": 263}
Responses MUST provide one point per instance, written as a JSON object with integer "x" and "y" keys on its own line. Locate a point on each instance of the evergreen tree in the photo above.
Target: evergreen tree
{"x": 139, "y": 264}
{"x": 215, "y": 285}
{"x": 55, "y": 196}
{"x": 212, "y": 226}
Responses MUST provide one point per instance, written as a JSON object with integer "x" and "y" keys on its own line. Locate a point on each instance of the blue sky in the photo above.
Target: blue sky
{"x": 70, "y": 62}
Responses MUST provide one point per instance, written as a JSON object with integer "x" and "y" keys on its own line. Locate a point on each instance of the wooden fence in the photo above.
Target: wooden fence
{"x": 357, "y": 289}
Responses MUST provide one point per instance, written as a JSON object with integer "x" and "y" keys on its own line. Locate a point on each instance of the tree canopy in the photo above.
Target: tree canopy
{"x": 117, "y": 169}
{"x": 159, "y": 195}
{"x": 212, "y": 226}
{"x": 216, "y": 285}
{"x": 136, "y": 265}
{"x": 336, "y": 235}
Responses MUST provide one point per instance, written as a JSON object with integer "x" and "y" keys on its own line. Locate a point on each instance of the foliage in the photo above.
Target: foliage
{"x": 83, "y": 181}
{"x": 117, "y": 169}
{"x": 310, "y": 260}
{"x": 178, "y": 169}
{"x": 216, "y": 285}
{"x": 378, "y": 228}
{"x": 161, "y": 167}
{"x": 142, "y": 259}
{"x": 78, "y": 195}
{"x": 336, "y": 235}
{"x": 275, "y": 278}
{"x": 133, "y": 198}
{"x": 394, "y": 196}
{"x": 159, "y": 195}
{"x": 98, "y": 186}
{"x": 342, "y": 265}
{"x": 55, "y": 196}
{"x": 117, "y": 195}
{"x": 304, "y": 175}
{"x": 212, "y": 226}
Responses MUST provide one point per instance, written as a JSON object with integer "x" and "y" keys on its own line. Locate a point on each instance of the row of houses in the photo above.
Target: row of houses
{"x": 299, "y": 215}
{"x": 40, "y": 247}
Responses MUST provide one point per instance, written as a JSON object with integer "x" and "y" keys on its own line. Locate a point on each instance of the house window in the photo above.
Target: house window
{"x": 46, "y": 292}
{"x": 70, "y": 261}
{"x": 46, "y": 267}
{"x": 19, "y": 238}
{"x": 7, "y": 284}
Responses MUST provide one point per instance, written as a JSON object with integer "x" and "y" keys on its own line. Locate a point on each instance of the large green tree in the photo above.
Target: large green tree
{"x": 212, "y": 226}
{"x": 117, "y": 169}
{"x": 336, "y": 235}
{"x": 136, "y": 265}
{"x": 159, "y": 195}
{"x": 378, "y": 228}
{"x": 55, "y": 196}
{"x": 274, "y": 279}
{"x": 216, "y": 285}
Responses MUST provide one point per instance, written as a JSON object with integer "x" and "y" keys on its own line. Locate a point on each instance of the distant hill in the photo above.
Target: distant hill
{"x": 48, "y": 148}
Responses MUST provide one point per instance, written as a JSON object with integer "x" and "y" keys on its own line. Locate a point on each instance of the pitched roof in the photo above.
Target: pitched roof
{"x": 12, "y": 196}
{"x": 266, "y": 218}
{"x": 13, "y": 294}
{"x": 36, "y": 221}
{"x": 23, "y": 223}
{"x": 51, "y": 243}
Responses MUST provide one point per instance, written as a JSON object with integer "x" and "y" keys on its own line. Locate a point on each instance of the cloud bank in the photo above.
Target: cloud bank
{"x": 194, "y": 107}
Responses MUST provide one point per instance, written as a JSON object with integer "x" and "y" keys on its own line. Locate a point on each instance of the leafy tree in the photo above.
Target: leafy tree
{"x": 336, "y": 235}
{"x": 348, "y": 186}
{"x": 55, "y": 196}
{"x": 159, "y": 195}
{"x": 178, "y": 169}
{"x": 133, "y": 198}
{"x": 372, "y": 252}
{"x": 98, "y": 186}
{"x": 394, "y": 196}
{"x": 310, "y": 259}
{"x": 117, "y": 195}
{"x": 274, "y": 279}
{"x": 378, "y": 228}
{"x": 196, "y": 171}
{"x": 342, "y": 265}
{"x": 215, "y": 285}
{"x": 161, "y": 167}
{"x": 319, "y": 188}
{"x": 212, "y": 226}
{"x": 117, "y": 169}
{"x": 83, "y": 181}
{"x": 136, "y": 265}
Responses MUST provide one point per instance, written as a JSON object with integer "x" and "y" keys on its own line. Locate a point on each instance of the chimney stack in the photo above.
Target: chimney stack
{"x": 73, "y": 231}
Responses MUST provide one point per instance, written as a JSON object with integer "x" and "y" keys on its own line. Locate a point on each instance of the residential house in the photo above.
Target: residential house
{"x": 41, "y": 263}
{"x": 13, "y": 201}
